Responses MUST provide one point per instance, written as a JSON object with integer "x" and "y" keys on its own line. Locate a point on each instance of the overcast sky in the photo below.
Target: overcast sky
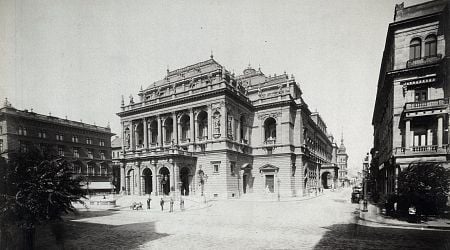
{"x": 76, "y": 58}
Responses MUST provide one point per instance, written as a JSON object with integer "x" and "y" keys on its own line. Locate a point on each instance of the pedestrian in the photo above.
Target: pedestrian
{"x": 162, "y": 204}
{"x": 181, "y": 204}
{"x": 171, "y": 204}
{"x": 148, "y": 202}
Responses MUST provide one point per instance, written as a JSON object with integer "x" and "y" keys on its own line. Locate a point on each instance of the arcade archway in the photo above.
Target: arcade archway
{"x": 185, "y": 180}
{"x": 326, "y": 180}
{"x": 147, "y": 178}
{"x": 164, "y": 176}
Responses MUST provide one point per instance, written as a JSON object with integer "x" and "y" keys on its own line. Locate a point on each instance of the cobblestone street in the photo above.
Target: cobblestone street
{"x": 326, "y": 222}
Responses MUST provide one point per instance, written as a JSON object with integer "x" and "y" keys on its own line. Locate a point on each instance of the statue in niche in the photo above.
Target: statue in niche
{"x": 229, "y": 126}
{"x": 216, "y": 123}
{"x": 128, "y": 139}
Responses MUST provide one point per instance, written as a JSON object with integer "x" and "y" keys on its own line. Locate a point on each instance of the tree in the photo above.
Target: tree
{"x": 425, "y": 186}
{"x": 39, "y": 188}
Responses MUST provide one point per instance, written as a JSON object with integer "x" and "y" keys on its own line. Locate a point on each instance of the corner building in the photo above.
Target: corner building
{"x": 410, "y": 118}
{"x": 202, "y": 129}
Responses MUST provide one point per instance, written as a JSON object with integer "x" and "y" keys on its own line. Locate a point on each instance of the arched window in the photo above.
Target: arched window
{"x": 270, "y": 129}
{"x": 430, "y": 46}
{"x": 185, "y": 128}
{"x": 415, "y": 48}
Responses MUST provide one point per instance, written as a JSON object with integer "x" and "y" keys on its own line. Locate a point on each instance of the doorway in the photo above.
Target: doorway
{"x": 270, "y": 183}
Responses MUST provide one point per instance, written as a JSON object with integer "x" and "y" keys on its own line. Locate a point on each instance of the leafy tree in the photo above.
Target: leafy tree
{"x": 425, "y": 186}
{"x": 39, "y": 188}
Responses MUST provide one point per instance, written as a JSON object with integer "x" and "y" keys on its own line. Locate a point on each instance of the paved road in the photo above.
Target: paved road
{"x": 326, "y": 222}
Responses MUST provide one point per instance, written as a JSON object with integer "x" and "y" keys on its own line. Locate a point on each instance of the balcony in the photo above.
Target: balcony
{"x": 423, "y": 61}
{"x": 429, "y": 104}
{"x": 270, "y": 141}
{"x": 421, "y": 150}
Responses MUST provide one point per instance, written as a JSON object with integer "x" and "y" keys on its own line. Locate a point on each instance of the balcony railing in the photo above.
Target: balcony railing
{"x": 423, "y": 61}
{"x": 270, "y": 141}
{"x": 202, "y": 138}
{"x": 428, "y": 149}
{"x": 426, "y": 104}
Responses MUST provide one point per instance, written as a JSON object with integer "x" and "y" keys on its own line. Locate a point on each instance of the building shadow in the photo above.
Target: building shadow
{"x": 355, "y": 236}
{"x": 79, "y": 214}
{"x": 81, "y": 235}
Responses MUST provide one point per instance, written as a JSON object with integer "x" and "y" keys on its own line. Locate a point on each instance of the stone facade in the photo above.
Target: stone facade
{"x": 410, "y": 118}
{"x": 87, "y": 147}
{"x": 204, "y": 130}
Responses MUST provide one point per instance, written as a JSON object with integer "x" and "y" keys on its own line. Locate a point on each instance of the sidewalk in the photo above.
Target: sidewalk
{"x": 373, "y": 215}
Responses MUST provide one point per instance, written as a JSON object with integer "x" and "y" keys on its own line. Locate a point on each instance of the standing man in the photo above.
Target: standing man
{"x": 181, "y": 204}
{"x": 148, "y": 202}
{"x": 171, "y": 204}
{"x": 162, "y": 204}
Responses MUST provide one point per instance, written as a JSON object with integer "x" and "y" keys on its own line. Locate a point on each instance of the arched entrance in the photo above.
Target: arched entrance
{"x": 130, "y": 182}
{"x": 326, "y": 180}
{"x": 185, "y": 180}
{"x": 147, "y": 174}
{"x": 164, "y": 180}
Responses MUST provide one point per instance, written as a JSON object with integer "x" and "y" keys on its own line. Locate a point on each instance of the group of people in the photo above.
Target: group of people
{"x": 136, "y": 206}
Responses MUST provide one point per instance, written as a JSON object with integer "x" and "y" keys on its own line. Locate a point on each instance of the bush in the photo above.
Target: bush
{"x": 424, "y": 186}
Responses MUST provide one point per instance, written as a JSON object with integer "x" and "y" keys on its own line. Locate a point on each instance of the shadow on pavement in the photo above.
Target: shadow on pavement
{"x": 355, "y": 236}
{"x": 80, "y": 235}
{"x": 90, "y": 213}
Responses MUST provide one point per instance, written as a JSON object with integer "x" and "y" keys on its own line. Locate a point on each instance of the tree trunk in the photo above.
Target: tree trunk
{"x": 28, "y": 236}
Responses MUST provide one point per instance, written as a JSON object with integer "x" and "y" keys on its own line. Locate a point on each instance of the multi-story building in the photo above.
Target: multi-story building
{"x": 202, "y": 129}
{"x": 117, "y": 155}
{"x": 410, "y": 118}
{"x": 87, "y": 147}
{"x": 342, "y": 159}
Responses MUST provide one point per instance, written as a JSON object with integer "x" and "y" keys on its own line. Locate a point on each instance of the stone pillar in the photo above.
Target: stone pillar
{"x": 138, "y": 178}
{"x": 209, "y": 133}
{"x": 408, "y": 136}
{"x": 145, "y": 128}
{"x": 238, "y": 130}
{"x": 191, "y": 125}
{"x": 132, "y": 138}
{"x": 440, "y": 131}
{"x": 174, "y": 128}
{"x": 180, "y": 132}
{"x": 223, "y": 122}
{"x": 159, "y": 140}
{"x": 122, "y": 179}
{"x": 154, "y": 179}
{"x": 197, "y": 132}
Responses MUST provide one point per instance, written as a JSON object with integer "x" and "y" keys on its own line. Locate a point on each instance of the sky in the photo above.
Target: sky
{"x": 76, "y": 58}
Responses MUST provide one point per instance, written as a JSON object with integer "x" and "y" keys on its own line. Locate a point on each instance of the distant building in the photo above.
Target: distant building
{"x": 203, "y": 129}
{"x": 342, "y": 159}
{"x": 117, "y": 155}
{"x": 87, "y": 147}
{"x": 410, "y": 118}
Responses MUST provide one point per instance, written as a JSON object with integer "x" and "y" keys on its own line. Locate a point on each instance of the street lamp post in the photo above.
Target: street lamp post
{"x": 365, "y": 176}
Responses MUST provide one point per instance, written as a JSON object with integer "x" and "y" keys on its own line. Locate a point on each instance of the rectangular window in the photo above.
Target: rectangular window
{"x": 59, "y": 137}
{"x": 89, "y": 154}
{"x": 22, "y": 131}
{"x": 233, "y": 168}
{"x": 102, "y": 155}
{"x": 23, "y": 147}
{"x": 76, "y": 154}
{"x": 42, "y": 134}
{"x": 216, "y": 165}
{"x": 88, "y": 140}
{"x": 1, "y": 145}
{"x": 420, "y": 95}
{"x": 102, "y": 143}
{"x": 74, "y": 138}
{"x": 61, "y": 150}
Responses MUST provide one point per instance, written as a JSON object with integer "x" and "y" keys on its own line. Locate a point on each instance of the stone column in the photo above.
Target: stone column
{"x": 138, "y": 178}
{"x": 154, "y": 180}
{"x": 145, "y": 127}
{"x": 408, "y": 136}
{"x": 191, "y": 125}
{"x": 122, "y": 179}
{"x": 238, "y": 130}
{"x": 159, "y": 131}
{"x": 197, "y": 132}
{"x": 440, "y": 131}
{"x": 180, "y": 131}
{"x": 174, "y": 128}
{"x": 132, "y": 138}
{"x": 223, "y": 122}
{"x": 209, "y": 133}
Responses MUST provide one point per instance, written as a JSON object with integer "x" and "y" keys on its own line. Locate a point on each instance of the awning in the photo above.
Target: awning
{"x": 98, "y": 185}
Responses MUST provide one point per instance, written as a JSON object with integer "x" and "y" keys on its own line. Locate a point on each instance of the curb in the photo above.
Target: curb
{"x": 281, "y": 200}
{"x": 416, "y": 226}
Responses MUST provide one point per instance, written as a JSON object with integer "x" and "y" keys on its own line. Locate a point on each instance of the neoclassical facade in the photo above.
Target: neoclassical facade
{"x": 411, "y": 114}
{"x": 205, "y": 130}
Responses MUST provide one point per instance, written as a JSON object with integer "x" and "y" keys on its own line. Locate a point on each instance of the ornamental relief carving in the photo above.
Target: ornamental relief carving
{"x": 271, "y": 114}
